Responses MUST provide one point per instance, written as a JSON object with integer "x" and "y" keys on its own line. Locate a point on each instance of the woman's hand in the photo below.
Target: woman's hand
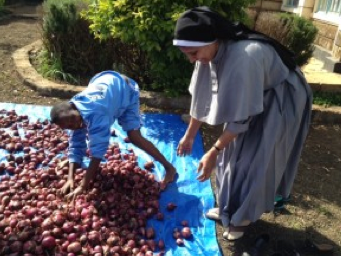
{"x": 207, "y": 164}
{"x": 185, "y": 146}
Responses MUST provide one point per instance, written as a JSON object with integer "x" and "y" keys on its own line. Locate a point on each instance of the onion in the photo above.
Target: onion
{"x": 48, "y": 242}
{"x": 74, "y": 247}
{"x": 94, "y": 237}
{"x": 13, "y": 223}
{"x": 35, "y": 219}
{"x": 113, "y": 240}
{"x": 16, "y": 246}
{"x": 186, "y": 232}
{"x": 29, "y": 246}
{"x": 72, "y": 237}
{"x": 67, "y": 227}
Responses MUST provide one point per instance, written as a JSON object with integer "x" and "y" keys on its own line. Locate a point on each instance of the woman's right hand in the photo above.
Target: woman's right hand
{"x": 185, "y": 146}
{"x": 67, "y": 187}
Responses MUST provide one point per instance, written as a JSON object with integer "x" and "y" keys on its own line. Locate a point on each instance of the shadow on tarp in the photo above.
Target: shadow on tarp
{"x": 193, "y": 198}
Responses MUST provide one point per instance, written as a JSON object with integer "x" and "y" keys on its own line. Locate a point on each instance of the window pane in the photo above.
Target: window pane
{"x": 335, "y": 6}
{"x": 322, "y": 5}
{"x": 292, "y": 2}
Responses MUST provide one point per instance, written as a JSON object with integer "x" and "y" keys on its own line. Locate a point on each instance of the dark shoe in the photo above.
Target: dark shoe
{"x": 259, "y": 244}
{"x": 281, "y": 201}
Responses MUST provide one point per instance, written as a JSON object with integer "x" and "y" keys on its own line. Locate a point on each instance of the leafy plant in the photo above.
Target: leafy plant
{"x": 67, "y": 39}
{"x": 301, "y": 36}
{"x": 297, "y": 33}
{"x": 51, "y": 66}
{"x": 148, "y": 27}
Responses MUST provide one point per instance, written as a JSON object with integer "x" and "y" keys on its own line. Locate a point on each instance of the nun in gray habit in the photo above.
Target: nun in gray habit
{"x": 251, "y": 84}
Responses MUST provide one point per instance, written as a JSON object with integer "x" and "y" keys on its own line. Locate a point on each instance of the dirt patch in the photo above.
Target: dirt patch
{"x": 314, "y": 212}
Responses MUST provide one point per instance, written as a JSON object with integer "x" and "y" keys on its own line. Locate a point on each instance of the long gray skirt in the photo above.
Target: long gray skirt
{"x": 263, "y": 161}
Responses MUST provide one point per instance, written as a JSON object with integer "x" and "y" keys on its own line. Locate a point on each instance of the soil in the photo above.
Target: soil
{"x": 315, "y": 210}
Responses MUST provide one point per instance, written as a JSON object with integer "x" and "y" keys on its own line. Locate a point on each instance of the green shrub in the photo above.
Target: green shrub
{"x": 301, "y": 36}
{"x": 70, "y": 50}
{"x": 147, "y": 26}
{"x": 297, "y": 33}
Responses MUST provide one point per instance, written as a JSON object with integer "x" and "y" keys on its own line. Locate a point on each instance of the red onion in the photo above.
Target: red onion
{"x": 48, "y": 242}
{"x": 74, "y": 247}
{"x": 30, "y": 246}
{"x": 67, "y": 227}
{"x": 186, "y": 232}
{"x": 16, "y": 246}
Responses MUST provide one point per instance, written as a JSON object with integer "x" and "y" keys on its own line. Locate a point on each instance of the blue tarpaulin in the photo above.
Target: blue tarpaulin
{"x": 192, "y": 198}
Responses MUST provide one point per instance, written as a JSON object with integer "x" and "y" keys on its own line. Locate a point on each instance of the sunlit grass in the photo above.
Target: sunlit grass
{"x": 51, "y": 67}
{"x": 327, "y": 98}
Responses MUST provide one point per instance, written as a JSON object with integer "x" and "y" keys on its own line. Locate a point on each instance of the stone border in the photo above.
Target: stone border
{"x": 30, "y": 77}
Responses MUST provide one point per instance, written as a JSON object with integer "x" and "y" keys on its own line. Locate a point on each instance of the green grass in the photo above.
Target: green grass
{"x": 50, "y": 66}
{"x": 327, "y": 99}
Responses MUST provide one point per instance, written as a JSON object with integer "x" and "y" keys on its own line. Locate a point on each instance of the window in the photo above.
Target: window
{"x": 329, "y": 6}
{"x": 328, "y": 10}
{"x": 292, "y": 3}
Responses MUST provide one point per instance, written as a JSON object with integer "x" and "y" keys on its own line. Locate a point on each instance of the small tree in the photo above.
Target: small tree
{"x": 297, "y": 33}
{"x": 149, "y": 26}
{"x": 301, "y": 37}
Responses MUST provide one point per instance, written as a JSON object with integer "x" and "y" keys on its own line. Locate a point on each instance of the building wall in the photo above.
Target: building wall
{"x": 328, "y": 29}
{"x": 268, "y": 5}
{"x": 303, "y": 9}
{"x": 329, "y": 35}
{"x": 337, "y": 46}
{"x": 326, "y": 34}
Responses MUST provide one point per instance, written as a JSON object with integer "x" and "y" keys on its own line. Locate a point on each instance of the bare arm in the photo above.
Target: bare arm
{"x": 69, "y": 185}
{"x": 186, "y": 142}
{"x": 89, "y": 175}
{"x": 208, "y": 161}
{"x": 138, "y": 140}
{"x": 91, "y": 172}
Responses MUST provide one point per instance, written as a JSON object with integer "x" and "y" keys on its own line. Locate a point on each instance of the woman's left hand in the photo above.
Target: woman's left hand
{"x": 207, "y": 164}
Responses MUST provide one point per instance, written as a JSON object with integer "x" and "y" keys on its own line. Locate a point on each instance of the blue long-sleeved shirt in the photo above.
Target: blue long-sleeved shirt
{"x": 107, "y": 97}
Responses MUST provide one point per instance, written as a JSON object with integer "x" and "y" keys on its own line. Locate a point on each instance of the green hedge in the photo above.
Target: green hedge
{"x": 135, "y": 38}
{"x": 71, "y": 51}
{"x": 297, "y": 33}
{"x": 301, "y": 37}
{"x": 148, "y": 26}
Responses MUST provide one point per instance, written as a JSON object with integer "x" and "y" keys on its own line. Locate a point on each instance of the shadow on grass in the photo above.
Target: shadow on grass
{"x": 282, "y": 241}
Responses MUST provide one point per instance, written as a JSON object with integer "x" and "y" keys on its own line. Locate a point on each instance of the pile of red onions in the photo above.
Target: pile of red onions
{"x": 35, "y": 219}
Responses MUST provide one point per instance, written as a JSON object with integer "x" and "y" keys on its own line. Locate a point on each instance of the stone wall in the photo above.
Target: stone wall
{"x": 337, "y": 46}
{"x": 268, "y": 5}
{"x": 326, "y": 34}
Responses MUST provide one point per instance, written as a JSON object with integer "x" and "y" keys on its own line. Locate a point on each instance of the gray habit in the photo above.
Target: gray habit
{"x": 247, "y": 88}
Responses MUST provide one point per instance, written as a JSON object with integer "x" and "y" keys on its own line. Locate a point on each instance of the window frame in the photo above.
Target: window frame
{"x": 292, "y": 3}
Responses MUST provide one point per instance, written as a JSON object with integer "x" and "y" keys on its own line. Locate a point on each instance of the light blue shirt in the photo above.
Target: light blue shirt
{"x": 107, "y": 97}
